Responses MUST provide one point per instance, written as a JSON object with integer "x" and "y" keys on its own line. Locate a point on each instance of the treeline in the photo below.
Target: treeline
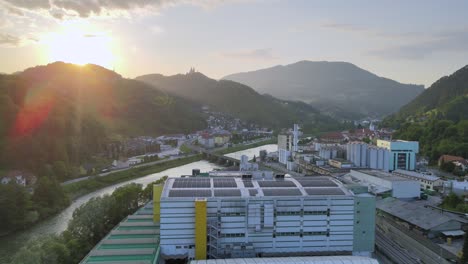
{"x": 19, "y": 209}
{"x": 437, "y": 137}
{"x": 90, "y": 223}
{"x": 80, "y": 188}
{"x": 57, "y": 117}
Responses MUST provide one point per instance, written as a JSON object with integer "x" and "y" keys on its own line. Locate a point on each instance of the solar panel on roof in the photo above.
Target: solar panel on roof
{"x": 248, "y": 184}
{"x": 276, "y": 184}
{"x": 253, "y": 192}
{"x": 191, "y": 183}
{"x": 317, "y": 183}
{"x": 224, "y": 183}
{"x": 190, "y": 193}
{"x": 227, "y": 192}
{"x": 282, "y": 192}
{"x": 324, "y": 191}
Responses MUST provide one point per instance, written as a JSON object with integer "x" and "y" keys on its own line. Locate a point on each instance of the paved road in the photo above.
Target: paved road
{"x": 136, "y": 166}
{"x": 197, "y": 148}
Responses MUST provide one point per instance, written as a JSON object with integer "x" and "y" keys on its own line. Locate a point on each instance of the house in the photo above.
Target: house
{"x": 449, "y": 158}
{"x": 221, "y": 138}
{"x": 117, "y": 164}
{"x": 463, "y": 165}
{"x": 332, "y": 137}
{"x": 19, "y": 177}
{"x": 206, "y": 140}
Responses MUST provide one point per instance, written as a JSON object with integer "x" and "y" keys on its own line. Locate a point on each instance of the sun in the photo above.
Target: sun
{"x": 79, "y": 43}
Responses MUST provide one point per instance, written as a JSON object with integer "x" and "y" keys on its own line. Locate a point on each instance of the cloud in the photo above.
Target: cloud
{"x": 442, "y": 41}
{"x": 9, "y": 40}
{"x": 30, "y": 4}
{"x": 86, "y": 8}
{"x": 255, "y": 54}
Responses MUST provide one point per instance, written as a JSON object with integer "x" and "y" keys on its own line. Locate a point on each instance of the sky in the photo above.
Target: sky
{"x": 408, "y": 41}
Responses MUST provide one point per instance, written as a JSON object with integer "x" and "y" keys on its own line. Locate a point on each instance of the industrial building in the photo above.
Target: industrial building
{"x": 428, "y": 182}
{"x": 287, "y": 145}
{"x": 262, "y": 215}
{"x": 426, "y": 220}
{"x": 380, "y": 182}
{"x": 402, "y": 153}
{"x": 293, "y": 260}
{"x": 388, "y": 155}
{"x": 134, "y": 240}
{"x": 340, "y": 163}
{"x": 245, "y": 165}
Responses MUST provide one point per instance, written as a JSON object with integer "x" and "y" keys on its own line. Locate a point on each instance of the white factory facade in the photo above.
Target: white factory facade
{"x": 287, "y": 146}
{"x": 387, "y": 155}
{"x": 242, "y": 216}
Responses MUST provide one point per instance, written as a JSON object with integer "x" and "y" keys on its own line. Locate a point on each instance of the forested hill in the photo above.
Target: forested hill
{"x": 438, "y": 118}
{"x": 241, "y": 101}
{"x": 338, "y": 88}
{"x": 64, "y": 113}
{"x": 445, "y": 95}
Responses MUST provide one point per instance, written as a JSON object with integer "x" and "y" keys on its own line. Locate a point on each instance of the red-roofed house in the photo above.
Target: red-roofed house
{"x": 449, "y": 158}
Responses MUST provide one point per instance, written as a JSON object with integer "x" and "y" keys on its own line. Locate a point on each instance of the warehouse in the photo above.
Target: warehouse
{"x": 294, "y": 260}
{"x": 268, "y": 216}
{"x": 381, "y": 182}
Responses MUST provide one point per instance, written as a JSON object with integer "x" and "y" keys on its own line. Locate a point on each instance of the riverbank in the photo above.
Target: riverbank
{"x": 77, "y": 189}
{"x": 244, "y": 147}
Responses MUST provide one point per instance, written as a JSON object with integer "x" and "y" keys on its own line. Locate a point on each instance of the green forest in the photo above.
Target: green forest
{"x": 57, "y": 117}
{"x": 90, "y": 223}
{"x": 438, "y": 118}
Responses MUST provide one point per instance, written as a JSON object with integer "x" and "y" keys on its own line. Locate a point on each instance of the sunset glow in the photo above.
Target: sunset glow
{"x": 80, "y": 43}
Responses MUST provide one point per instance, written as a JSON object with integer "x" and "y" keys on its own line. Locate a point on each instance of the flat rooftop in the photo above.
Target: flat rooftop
{"x": 292, "y": 260}
{"x": 382, "y": 175}
{"x": 135, "y": 240}
{"x": 416, "y": 213}
{"x": 417, "y": 175}
{"x": 236, "y": 186}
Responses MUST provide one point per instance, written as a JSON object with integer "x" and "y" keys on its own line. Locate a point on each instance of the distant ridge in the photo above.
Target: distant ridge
{"x": 339, "y": 88}
{"x": 240, "y": 101}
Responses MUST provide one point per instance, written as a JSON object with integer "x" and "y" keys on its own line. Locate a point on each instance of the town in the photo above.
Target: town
{"x": 351, "y": 193}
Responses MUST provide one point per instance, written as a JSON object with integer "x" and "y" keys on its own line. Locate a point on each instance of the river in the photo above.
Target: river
{"x": 10, "y": 244}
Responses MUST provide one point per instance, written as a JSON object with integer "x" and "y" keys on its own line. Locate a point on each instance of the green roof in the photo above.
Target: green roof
{"x": 134, "y": 240}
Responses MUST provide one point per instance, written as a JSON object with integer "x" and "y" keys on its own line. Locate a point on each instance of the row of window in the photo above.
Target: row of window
{"x": 301, "y": 212}
{"x": 301, "y": 234}
{"x": 233, "y": 235}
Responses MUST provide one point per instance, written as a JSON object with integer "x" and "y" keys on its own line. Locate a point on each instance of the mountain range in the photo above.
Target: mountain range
{"x": 340, "y": 89}
{"x": 241, "y": 101}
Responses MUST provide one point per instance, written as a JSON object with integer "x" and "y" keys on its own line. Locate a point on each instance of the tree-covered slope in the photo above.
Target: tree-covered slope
{"x": 440, "y": 94}
{"x": 339, "y": 88}
{"x": 438, "y": 118}
{"x": 67, "y": 113}
{"x": 240, "y": 101}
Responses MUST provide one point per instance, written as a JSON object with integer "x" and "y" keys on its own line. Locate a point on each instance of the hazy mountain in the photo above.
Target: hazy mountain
{"x": 339, "y": 88}
{"x": 64, "y": 112}
{"x": 239, "y": 100}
